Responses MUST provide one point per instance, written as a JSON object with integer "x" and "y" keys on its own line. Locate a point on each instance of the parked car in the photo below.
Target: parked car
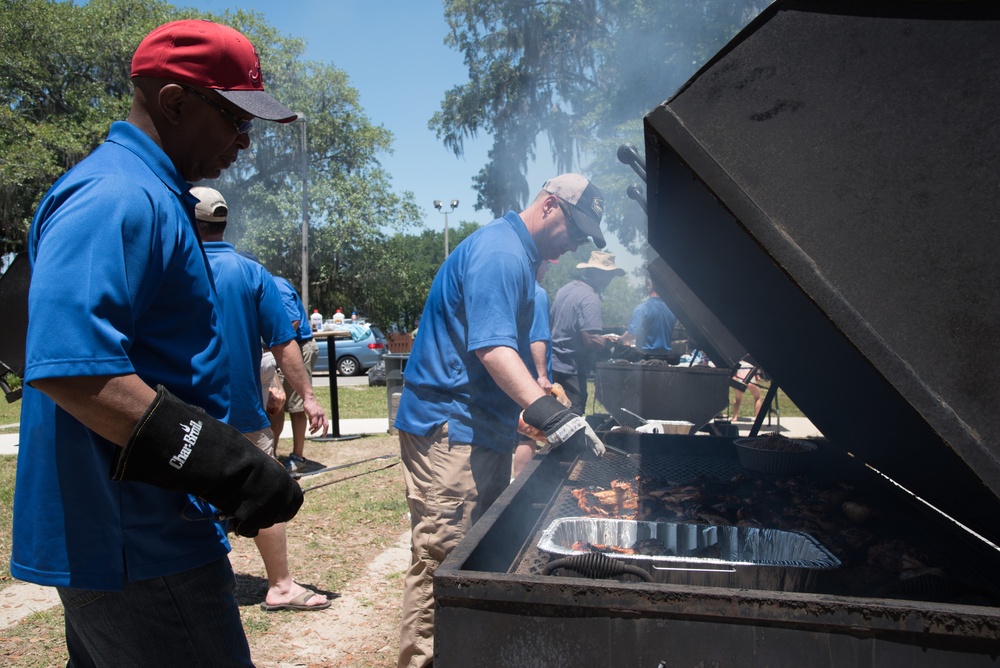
{"x": 355, "y": 355}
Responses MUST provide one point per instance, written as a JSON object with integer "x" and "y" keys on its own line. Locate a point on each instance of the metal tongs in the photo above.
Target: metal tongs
{"x": 635, "y": 415}
{"x": 618, "y": 451}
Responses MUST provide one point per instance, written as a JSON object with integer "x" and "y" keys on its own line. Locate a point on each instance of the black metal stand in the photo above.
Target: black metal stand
{"x": 334, "y": 435}
{"x": 765, "y": 409}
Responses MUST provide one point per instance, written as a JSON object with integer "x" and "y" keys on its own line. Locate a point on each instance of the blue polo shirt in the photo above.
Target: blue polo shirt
{"x": 652, "y": 325}
{"x": 482, "y": 296}
{"x": 119, "y": 285}
{"x": 540, "y": 330}
{"x": 251, "y": 312}
{"x": 295, "y": 309}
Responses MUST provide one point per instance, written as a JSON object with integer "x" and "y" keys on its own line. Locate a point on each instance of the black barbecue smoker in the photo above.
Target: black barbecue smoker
{"x": 842, "y": 158}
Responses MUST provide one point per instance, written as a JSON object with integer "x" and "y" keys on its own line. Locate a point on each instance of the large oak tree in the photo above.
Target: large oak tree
{"x": 64, "y": 77}
{"x": 581, "y": 73}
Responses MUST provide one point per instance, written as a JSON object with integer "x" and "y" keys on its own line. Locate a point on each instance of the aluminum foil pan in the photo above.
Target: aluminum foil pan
{"x": 673, "y": 542}
{"x": 666, "y": 427}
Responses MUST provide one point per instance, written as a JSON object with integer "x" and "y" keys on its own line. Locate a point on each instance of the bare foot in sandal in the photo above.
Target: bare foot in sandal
{"x": 296, "y": 598}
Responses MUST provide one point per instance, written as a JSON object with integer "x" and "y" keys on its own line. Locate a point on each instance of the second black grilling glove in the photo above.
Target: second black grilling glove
{"x": 560, "y": 424}
{"x": 180, "y": 447}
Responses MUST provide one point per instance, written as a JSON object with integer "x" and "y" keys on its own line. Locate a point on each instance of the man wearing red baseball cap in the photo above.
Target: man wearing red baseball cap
{"x": 213, "y": 56}
{"x": 128, "y": 466}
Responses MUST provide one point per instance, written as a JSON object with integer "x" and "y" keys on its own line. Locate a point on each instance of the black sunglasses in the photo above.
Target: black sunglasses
{"x": 242, "y": 126}
{"x": 576, "y": 233}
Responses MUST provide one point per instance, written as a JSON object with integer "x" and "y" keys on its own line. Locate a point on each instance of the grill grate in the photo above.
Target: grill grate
{"x": 677, "y": 469}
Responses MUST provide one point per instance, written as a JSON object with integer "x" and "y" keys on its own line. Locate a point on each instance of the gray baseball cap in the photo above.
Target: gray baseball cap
{"x": 585, "y": 200}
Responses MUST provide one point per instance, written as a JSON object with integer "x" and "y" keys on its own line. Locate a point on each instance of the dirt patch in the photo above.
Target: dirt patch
{"x": 361, "y": 628}
{"x": 350, "y": 541}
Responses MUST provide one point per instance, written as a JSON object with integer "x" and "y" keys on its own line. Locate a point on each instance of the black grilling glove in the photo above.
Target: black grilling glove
{"x": 179, "y": 447}
{"x": 560, "y": 424}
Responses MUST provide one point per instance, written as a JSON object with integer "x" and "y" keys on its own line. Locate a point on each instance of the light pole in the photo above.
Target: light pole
{"x": 305, "y": 214}
{"x": 437, "y": 205}
{"x": 331, "y": 343}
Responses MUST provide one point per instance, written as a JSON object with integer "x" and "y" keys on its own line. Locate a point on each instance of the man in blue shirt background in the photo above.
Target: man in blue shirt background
{"x": 466, "y": 383}
{"x": 651, "y": 328}
{"x": 252, "y": 314}
{"x": 294, "y": 402}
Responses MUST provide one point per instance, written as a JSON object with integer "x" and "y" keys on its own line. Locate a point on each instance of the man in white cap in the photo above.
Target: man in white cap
{"x": 466, "y": 383}
{"x": 577, "y": 330}
{"x": 126, "y": 465}
{"x": 252, "y": 313}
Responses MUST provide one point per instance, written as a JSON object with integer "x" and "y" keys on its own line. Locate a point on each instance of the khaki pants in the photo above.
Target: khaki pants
{"x": 294, "y": 403}
{"x": 263, "y": 439}
{"x": 448, "y": 488}
{"x": 268, "y": 367}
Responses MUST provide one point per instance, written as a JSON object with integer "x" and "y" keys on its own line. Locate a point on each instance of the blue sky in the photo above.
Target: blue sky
{"x": 394, "y": 53}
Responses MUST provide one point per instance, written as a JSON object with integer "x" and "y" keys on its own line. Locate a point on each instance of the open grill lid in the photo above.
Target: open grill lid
{"x": 841, "y": 157}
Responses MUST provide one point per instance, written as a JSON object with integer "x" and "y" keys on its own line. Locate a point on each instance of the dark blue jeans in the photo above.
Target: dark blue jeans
{"x": 187, "y": 619}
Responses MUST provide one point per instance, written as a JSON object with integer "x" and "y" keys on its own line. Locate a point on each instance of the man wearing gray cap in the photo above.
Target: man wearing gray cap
{"x": 126, "y": 466}
{"x": 466, "y": 383}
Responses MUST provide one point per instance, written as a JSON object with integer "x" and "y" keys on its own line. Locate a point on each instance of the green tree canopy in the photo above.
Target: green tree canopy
{"x": 352, "y": 208}
{"x": 64, "y": 77}
{"x": 581, "y": 72}
{"x": 403, "y": 289}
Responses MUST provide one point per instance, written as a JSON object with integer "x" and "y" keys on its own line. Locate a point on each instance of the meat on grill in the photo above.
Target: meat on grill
{"x": 835, "y": 514}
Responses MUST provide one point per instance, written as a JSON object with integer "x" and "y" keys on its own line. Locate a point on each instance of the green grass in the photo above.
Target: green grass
{"x": 359, "y": 401}
{"x": 787, "y": 408}
{"x": 37, "y": 641}
{"x": 356, "y": 401}
{"x": 9, "y": 414}
{"x": 8, "y": 466}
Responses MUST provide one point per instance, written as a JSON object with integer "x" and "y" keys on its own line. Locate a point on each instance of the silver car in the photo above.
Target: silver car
{"x": 355, "y": 355}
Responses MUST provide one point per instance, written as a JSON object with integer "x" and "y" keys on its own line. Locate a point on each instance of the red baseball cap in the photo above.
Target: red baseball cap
{"x": 209, "y": 55}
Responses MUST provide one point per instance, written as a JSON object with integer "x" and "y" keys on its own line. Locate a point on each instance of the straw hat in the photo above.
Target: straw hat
{"x": 603, "y": 261}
